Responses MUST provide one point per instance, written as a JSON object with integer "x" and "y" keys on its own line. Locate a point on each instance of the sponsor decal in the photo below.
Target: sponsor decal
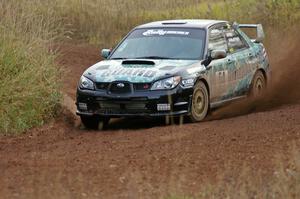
{"x": 162, "y": 32}
{"x": 221, "y": 76}
{"x": 264, "y": 53}
{"x": 128, "y": 72}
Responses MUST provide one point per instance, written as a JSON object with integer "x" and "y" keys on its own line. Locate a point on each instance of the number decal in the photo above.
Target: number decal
{"x": 221, "y": 76}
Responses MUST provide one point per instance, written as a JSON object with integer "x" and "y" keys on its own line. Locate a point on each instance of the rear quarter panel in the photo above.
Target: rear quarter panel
{"x": 257, "y": 61}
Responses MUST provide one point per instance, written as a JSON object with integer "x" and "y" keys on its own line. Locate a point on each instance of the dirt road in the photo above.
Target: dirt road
{"x": 144, "y": 158}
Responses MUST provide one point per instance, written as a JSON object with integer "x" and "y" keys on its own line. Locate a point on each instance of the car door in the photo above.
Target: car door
{"x": 238, "y": 71}
{"x": 218, "y": 74}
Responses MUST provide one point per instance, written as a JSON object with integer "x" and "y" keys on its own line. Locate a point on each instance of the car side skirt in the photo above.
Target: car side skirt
{"x": 218, "y": 104}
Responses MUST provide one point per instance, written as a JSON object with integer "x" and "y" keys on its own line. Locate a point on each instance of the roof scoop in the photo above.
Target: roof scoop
{"x": 138, "y": 62}
{"x": 174, "y": 23}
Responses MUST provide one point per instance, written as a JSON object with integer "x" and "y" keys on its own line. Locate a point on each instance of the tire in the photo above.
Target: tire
{"x": 200, "y": 102}
{"x": 94, "y": 122}
{"x": 258, "y": 85}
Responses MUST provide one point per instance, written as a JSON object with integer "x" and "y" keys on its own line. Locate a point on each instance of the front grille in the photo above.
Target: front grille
{"x": 122, "y": 112}
{"x": 116, "y": 107}
{"x": 102, "y": 86}
{"x": 109, "y": 105}
{"x": 126, "y": 87}
{"x": 141, "y": 86}
{"x": 122, "y": 105}
{"x": 135, "y": 106}
{"x": 120, "y": 88}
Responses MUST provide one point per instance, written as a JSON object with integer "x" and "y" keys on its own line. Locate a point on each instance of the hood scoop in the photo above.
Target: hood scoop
{"x": 138, "y": 62}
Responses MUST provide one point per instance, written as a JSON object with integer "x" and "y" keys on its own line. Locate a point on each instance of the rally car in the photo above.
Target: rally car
{"x": 174, "y": 68}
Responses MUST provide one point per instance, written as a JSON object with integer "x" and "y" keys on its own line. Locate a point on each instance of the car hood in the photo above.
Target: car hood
{"x": 139, "y": 71}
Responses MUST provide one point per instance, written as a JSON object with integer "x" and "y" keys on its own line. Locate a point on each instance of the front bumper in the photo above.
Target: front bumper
{"x": 142, "y": 103}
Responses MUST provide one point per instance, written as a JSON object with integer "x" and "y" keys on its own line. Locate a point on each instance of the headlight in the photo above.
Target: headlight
{"x": 188, "y": 83}
{"x": 168, "y": 83}
{"x": 85, "y": 83}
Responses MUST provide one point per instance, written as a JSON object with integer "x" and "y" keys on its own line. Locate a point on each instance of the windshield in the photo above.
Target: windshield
{"x": 162, "y": 43}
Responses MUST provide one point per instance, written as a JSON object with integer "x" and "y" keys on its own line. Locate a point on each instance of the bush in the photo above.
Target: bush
{"x": 29, "y": 81}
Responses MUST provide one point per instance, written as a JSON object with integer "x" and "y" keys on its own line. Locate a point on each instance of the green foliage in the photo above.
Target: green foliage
{"x": 104, "y": 22}
{"x": 29, "y": 80}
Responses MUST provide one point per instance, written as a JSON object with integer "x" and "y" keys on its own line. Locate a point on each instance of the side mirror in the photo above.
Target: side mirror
{"x": 215, "y": 54}
{"x": 218, "y": 54}
{"x": 105, "y": 53}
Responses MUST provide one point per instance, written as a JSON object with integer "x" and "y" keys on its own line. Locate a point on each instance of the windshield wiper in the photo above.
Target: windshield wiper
{"x": 152, "y": 57}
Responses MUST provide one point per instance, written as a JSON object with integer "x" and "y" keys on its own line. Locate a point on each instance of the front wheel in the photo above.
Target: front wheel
{"x": 200, "y": 103}
{"x": 94, "y": 122}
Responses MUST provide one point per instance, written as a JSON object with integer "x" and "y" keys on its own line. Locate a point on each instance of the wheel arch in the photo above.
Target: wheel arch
{"x": 263, "y": 72}
{"x": 202, "y": 79}
{"x": 207, "y": 106}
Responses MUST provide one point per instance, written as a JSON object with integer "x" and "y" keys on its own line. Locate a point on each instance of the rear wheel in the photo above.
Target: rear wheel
{"x": 94, "y": 122}
{"x": 258, "y": 85}
{"x": 200, "y": 102}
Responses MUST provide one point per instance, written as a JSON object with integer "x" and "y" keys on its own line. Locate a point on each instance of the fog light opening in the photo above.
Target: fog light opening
{"x": 82, "y": 106}
{"x": 163, "y": 107}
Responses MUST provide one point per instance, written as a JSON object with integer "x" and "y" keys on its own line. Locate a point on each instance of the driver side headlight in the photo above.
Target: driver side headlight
{"x": 165, "y": 84}
{"x": 86, "y": 83}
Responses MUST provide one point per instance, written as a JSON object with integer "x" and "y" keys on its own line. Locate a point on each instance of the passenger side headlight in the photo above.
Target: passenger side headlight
{"x": 188, "y": 83}
{"x": 86, "y": 83}
{"x": 165, "y": 84}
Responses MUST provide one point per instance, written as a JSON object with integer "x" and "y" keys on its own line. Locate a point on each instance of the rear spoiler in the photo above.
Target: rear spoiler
{"x": 260, "y": 35}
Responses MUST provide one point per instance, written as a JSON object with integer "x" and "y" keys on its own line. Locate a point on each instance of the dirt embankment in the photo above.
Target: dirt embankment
{"x": 74, "y": 59}
{"x": 143, "y": 158}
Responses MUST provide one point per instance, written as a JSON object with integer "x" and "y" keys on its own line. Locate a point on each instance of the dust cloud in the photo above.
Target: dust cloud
{"x": 284, "y": 54}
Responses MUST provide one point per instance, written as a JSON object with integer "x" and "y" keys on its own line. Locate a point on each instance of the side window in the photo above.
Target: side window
{"x": 234, "y": 41}
{"x": 217, "y": 40}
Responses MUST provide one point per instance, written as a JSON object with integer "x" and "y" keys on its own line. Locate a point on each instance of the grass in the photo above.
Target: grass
{"x": 105, "y": 22}
{"x": 29, "y": 81}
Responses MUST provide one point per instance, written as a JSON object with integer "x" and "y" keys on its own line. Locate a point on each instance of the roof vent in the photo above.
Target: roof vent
{"x": 174, "y": 23}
